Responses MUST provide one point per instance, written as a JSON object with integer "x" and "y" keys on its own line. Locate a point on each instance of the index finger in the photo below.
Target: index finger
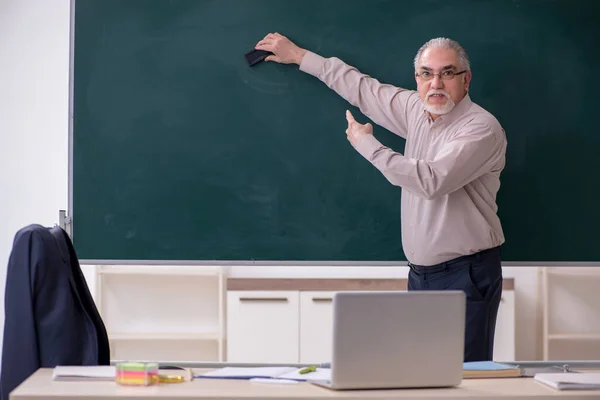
{"x": 349, "y": 116}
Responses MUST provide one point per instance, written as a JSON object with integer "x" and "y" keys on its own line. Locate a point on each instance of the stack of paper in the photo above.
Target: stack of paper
{"x": 84, "y": 373}
{"x": 570, "y": 381}
{"x": 290, "y": 373}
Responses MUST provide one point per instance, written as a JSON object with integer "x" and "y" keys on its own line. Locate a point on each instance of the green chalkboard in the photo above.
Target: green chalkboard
{"x": 183, "y": 152}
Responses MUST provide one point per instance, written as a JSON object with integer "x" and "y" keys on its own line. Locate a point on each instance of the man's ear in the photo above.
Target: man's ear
{"x": 467, "y": 82}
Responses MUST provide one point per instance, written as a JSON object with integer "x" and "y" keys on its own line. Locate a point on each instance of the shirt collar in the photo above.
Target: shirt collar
{"x": 456, "y": 112}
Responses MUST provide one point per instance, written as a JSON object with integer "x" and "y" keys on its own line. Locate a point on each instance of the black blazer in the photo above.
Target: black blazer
{"x": 50, "y": 316}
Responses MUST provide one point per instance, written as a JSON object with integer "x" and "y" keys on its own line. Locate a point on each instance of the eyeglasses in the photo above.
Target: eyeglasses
{"x": 445, "y": 75}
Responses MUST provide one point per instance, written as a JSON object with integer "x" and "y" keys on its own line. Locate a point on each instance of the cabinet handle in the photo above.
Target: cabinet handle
{"x": 322, "y": 299}
{"x": 265, "y": 299}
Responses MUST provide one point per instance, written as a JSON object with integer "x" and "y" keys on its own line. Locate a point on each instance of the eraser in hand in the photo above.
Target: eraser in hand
{"x": 255, "y": 56}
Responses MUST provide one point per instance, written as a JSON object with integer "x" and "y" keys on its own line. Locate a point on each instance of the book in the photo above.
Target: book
{"x": 84, "y": 373}
{"x": 284, "y": 373}
{"x": 489, "y": 369}
{"x": 570, "y": 381}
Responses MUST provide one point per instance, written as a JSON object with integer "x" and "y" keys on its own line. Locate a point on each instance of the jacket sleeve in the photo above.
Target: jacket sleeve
{"x": 386, "y": 105}
{"x": 20, "y": 354}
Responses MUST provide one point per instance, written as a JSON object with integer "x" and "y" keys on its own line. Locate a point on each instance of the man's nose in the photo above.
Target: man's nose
{"x": 437, "y": 82}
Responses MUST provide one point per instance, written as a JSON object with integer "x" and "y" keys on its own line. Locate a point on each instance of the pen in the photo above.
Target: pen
{"x": 307, "y": 370}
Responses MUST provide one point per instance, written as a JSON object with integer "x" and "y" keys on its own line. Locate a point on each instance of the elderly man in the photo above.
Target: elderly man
{"x": 449, "y": 173}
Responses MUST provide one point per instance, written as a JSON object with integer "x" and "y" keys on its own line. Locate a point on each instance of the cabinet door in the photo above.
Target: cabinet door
{"x": 316, "y": 326}
{"x": 262, "y": 326}
{"x": 504, "y": 337}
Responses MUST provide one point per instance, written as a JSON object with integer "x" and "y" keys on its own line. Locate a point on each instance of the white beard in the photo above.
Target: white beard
{"x": 439, "y": 109}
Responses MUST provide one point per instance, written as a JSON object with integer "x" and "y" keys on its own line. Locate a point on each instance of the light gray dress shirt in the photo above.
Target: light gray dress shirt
{"x": 450, "y": 170}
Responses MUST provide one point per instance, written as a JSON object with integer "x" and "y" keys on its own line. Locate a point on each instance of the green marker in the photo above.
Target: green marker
{"x": 307, "y": 370}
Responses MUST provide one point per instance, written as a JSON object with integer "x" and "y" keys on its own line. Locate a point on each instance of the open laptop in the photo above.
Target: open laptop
{"x": 384, "y": 340}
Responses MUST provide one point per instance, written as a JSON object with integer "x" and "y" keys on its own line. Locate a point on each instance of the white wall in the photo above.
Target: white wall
{"x": 34, "y": 76}
{"x": 34, "y": 68}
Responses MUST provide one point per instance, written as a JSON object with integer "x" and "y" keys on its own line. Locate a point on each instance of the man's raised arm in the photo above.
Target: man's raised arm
{"x": 384, "y": 104}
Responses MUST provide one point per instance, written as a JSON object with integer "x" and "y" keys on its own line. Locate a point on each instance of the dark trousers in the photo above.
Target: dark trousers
{"x": 480, "y": 277}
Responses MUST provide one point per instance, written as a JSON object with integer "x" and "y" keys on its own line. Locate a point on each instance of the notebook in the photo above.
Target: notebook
{"x": 289, "y": 373}
{"x": 84, "y": 373}
{"x": 569, "y": 381}
{"x": 489, "y": 369}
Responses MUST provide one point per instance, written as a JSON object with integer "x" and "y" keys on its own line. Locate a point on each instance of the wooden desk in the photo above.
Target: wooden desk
{"x": 41, "y": 386}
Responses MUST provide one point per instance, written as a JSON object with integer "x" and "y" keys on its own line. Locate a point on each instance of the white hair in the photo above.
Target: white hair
{"x": 445, "y": 43}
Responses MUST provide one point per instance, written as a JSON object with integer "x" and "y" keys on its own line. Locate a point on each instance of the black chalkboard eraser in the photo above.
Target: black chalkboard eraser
{"x": 255, "y": 56}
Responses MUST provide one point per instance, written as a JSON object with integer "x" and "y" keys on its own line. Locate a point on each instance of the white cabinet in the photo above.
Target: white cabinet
{"x": 166, "y": 313}
{"x": 571, "y": 313}
{"x": 504, "y": 337}
{"x": 297, "y": 326}
{"x": 262, "y": 326}
{"x": 316, "y": 326}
